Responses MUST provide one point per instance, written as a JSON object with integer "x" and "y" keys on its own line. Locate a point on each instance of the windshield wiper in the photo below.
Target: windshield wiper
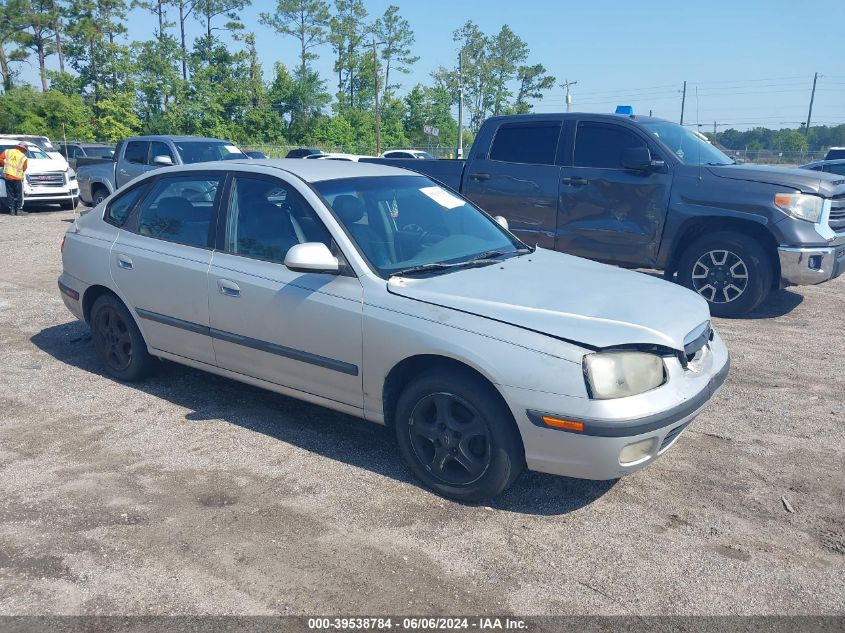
{"x": 483, "y": 259}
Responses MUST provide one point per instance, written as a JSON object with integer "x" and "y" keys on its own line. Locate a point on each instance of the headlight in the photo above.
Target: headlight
{"x": 71, "y": 175}
{"x": 620, "y": 374}
{"x": 800, "y": 205}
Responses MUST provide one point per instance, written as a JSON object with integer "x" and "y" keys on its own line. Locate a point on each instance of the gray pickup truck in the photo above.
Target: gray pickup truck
{"x": 644, "y": 192}
{"x": 140, "y": 154}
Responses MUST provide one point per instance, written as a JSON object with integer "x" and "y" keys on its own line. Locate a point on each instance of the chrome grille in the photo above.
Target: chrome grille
{"x": 46, "y": 180}
{"x": 837, "y": 213}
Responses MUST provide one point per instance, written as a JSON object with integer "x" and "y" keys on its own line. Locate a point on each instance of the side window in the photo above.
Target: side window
{"x": 160, "y": 149}
{"x": 533, "y": 144}
{"x": 136, "y": 152}
{"x": 837, "y": 169}
{"x": 267, "y": 217}
{"x": 120, "y": 208}
{"x": 598, "y": 145}
{"x": 180, "y": 209}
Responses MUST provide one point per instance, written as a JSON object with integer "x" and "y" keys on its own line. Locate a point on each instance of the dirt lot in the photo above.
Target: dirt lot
{"x": 195, "y": 494}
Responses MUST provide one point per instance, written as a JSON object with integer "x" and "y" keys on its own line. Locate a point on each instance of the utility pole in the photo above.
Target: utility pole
{"x": 460, "y": 151}
{"x": 683, "y": 102}
{"x": 565, "y": 85}
{"x": 375, "y": 82}
{"x": 812, "y": 96}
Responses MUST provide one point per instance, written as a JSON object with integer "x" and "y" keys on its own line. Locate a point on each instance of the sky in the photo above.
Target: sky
{"x": 747, "y": 63}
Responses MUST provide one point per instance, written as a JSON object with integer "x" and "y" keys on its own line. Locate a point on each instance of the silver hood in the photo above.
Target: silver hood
{"x": 567, "y": 297}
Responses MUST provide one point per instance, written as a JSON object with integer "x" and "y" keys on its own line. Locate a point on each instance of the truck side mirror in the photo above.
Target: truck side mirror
{"x": 162, "y": 159}
{"x": 637, "y": 159}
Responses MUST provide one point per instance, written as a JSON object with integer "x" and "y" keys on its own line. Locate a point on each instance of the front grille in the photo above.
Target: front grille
{"x": 837, "y": 213}
{"x": 670, "y": 437}
{"x": 46, "y": 180}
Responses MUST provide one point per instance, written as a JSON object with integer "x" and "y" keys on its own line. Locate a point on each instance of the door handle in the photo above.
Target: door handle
{"x": 575, "y": 181}
{"x": 124, "y": 262}
{"x": 228, "y": 288}
{"x": 480, "y": 176}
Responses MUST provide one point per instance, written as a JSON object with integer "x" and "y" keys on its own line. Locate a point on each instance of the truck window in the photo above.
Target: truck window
{"x": 600, "y": 145}
{"x": 532, "y": 143}
{"x": 136, "y": 152}
{"x": 160, "y": 149}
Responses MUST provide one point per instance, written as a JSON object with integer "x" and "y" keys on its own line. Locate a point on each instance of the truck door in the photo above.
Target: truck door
{"x": 133, "y": 163}
{"x": 519, "y": 180}
{"x": 607, "y": 212}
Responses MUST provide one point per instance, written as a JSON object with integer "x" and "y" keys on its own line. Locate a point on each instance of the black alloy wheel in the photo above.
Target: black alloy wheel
{"x": 457, "y": 435}
{"x": 118, "y": 341}
{"x": 450, "y": 438}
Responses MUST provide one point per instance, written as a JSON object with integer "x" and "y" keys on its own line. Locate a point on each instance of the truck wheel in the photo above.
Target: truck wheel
{"x": 730, "y": 270}
{"x": 99, "y": 194}
{"x": 457, "y": 436}
{"x": 118, "y": 341}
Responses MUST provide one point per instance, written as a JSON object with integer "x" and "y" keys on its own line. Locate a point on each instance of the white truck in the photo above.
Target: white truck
{"x": 46, "y": 181}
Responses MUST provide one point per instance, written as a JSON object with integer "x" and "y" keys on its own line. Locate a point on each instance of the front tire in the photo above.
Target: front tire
{"x": 99, "y": 194}
{"x": 68, "y": 206}
{"x": 729, "y": 270}
{"x": 457, "y": 436}
{"x": 118, "y": 341}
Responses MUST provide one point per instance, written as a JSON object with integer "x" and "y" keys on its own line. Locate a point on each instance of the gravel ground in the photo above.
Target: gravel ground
{"x": 193, "y": 494}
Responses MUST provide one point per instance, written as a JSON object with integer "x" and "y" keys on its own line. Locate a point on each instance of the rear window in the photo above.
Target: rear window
{"x": 533, "y": 144}
{"x": 835, "y": 154}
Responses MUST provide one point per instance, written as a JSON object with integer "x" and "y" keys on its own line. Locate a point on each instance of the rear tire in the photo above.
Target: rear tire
{"x": 457, "y": 436}
{"x": 729, "y": 270}
{"x": 118, "y": 341}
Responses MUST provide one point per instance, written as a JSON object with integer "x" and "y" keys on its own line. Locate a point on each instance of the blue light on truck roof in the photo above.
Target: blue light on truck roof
{"x": 625, "y": 109}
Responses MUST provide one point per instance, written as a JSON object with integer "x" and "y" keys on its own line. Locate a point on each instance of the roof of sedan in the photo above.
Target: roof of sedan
{"x": 317, "y": 170}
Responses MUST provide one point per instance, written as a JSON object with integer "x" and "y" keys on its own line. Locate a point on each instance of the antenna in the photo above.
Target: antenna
{"x": 698, "y": 127}
{"x": 64, "y": 138}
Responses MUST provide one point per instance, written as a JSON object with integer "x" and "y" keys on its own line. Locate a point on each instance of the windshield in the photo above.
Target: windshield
{"x": 32, "y": 152}
{"x": 402, "y": 222}
{"x": 99, "y": 152}
{"x": 687, "y": 144}
{"x": 205, "y": 151}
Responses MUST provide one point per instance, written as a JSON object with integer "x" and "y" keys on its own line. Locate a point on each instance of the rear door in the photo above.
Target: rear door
{"x": 607, "y": 212}
{"x": 518, "y": 179}
{"x": 160, "y": 262}
{"x": 133, "y": 163}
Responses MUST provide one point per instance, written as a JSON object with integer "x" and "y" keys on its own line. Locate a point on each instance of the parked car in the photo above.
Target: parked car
{"x": 140, "y": 154}
{"x": 46, "y": 181}
{"x": 835, "y": 153}
{"x": 416, "y": 154}
{"x": 79, "y": 153}
{"x": 836, "y": 166}
{"x": 643, "y": 192}
{"x": 374, "y": 291}
{"x": 254, "y": 153}
{"x": 302, "y": 152}
{"x": 354, "y": 158}
{"x": 41, "y": 142}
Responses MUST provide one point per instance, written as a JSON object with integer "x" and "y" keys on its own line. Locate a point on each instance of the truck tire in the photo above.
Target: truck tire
{"x": 99, "y": 194}
{"x": 457, "y": 436}
{"x": 729, "y": 270}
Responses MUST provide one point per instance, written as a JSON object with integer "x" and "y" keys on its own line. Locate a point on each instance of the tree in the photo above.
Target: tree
{"x": 40, "y": 18}
{"x": 306, "y": 20}
{"x": 533, "y": 81}
{"x": 508, "y": 50}
{"x": 11, "y": 51}
{"x": 397, "y": 38}
{"x": 348, "y": 30}
{"x": 207, "y": 10}
{"x": 159, "y": 9}
{"x": 186, "y": 7}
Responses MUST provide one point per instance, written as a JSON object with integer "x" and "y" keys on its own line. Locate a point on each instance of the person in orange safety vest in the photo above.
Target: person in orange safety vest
{"x": 14, "y": 163}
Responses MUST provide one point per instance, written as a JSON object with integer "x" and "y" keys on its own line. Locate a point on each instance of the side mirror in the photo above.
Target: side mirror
{"x": 639, "y": 159}
{"x": 311, "y": 257}
{"x": 503, "y": 222}
{"x": 162, "y": 159}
